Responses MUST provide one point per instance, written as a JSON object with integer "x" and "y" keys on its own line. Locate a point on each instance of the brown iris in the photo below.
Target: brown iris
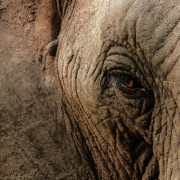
{"x": 129, "y": 83}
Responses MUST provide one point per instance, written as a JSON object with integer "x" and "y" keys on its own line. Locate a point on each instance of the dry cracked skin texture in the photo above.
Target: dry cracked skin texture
{"x": 34, "y": 143}
{"x": 129, "y": 138}
{"x": 34, "y": 140}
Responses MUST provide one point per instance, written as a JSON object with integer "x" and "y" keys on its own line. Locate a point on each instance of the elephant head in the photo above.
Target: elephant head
{"x": 118, "y": 66}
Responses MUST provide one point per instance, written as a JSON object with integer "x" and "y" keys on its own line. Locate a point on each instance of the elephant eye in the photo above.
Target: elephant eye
{"x": 129, "y": 82}
{"x": 128, "y": 85}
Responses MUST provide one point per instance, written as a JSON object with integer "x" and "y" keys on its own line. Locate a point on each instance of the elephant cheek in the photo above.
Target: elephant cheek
{"x": 166, "y": 134}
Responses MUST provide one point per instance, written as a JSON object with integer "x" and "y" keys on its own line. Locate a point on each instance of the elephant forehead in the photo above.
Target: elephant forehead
{"x": 152, "y": 26}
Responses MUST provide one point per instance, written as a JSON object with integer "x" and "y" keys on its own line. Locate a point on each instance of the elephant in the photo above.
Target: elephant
{"x": 117, "y": 65}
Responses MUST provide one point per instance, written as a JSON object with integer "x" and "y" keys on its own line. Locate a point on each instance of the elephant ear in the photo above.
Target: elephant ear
{"x": 62, "y": 6}
{"x": 52, "y": 47}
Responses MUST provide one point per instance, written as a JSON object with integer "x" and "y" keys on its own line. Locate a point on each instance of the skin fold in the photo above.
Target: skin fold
{"x": 124, "y": 132}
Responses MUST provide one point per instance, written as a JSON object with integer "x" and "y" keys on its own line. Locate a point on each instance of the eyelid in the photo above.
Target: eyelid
{"x": 131, "y": 93}
{"x": 134, "y": 89}
{"x": 119, "y": 60}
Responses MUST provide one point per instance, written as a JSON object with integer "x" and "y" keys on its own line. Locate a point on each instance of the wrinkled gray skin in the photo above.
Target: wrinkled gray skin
{"x": 125, "y": 133}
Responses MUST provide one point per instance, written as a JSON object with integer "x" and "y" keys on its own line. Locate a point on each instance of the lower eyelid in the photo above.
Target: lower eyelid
{"x": 130, "y": 92}
{"x": 133, "y": 89}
